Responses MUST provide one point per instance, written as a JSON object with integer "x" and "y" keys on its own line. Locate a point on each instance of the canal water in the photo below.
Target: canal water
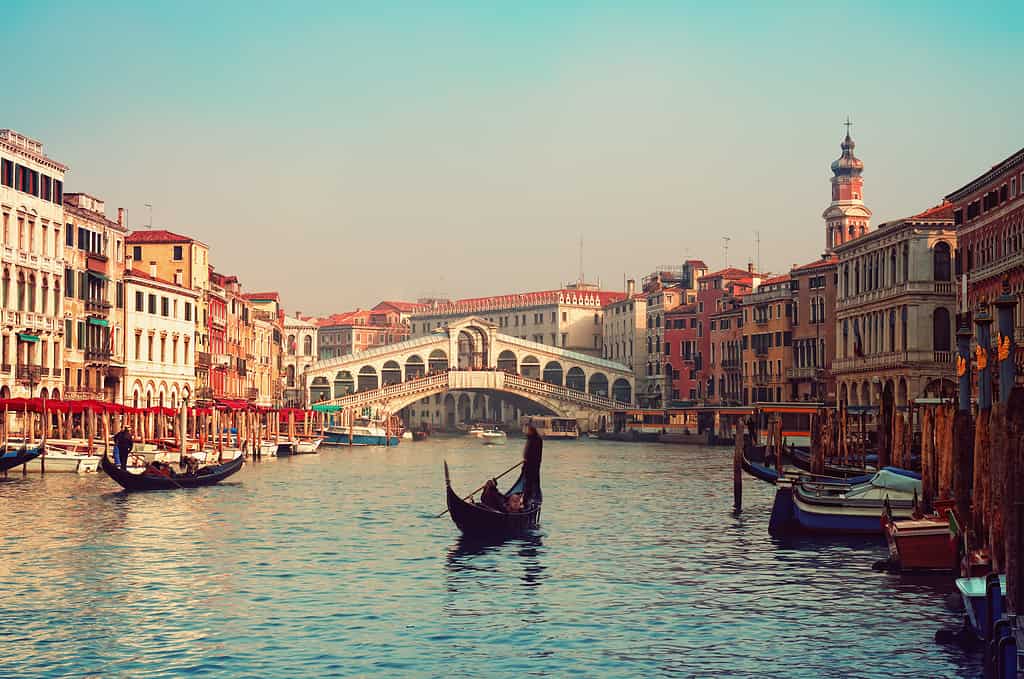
{"x": 334, "y": 565}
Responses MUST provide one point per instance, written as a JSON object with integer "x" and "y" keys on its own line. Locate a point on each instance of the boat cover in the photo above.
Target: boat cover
{"x": 888, "y": 480}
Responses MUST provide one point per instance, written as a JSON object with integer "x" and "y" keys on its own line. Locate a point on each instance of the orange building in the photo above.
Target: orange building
{"x": 767, "y": 338}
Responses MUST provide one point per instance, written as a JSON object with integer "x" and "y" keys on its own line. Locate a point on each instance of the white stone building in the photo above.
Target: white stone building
{"x": 160, "y": 326}
{"x": 300, "y": 352}
{"x": 624, "y": 332}
{"x": 32, "y": 218}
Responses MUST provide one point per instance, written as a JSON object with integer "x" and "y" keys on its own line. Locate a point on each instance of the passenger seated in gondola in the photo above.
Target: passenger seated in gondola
{"x": 158, "y": 468}
{"x": 514, "y": 503}
{"x": 492, "y": 497}
{"x": 189, "y": 464}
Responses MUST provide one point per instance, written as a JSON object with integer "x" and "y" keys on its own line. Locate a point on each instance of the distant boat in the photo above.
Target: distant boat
{"x": 363, "y": 433}
{"x": 14, "y": 457}
{"x": 494, "y": 438}
{"x": 268, "y": 448}
{"x": 57, "y": 460}
{"x": 307, "y": 446}
{"x": 478, "y": 521}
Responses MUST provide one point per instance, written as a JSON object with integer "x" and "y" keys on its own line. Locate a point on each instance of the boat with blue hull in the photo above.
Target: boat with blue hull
{"x": 854, "y": 506}
{"x": 365, "y": 434}
{"x": 14, "y": 457}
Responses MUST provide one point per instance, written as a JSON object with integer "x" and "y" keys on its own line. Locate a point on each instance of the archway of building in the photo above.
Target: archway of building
{"x": 367, "y": 378}
{"x": 465, "y": 408}
{"x": 449, "y": 411}
{"x": 343, "y": 383}
{"x": 598, "y": 385}
{"x": 5, "y": 392}
{"x": 507, "y": 362}
{"x": 530, "y": 367}
{"x": 479, "y": 407}
{"x": 55, "y": 395}
{"x": 844, "y": 395}
{"x": 621, "y": 391}
{"x": 553, "y": 373}
{"x": 319, "y": 389}
{"x": 901, "y": 392}
{"x": 865, "y": 394}
{"x": 576, "y": 379}
{"x": 940, "y": 388}
{"x": 437, "y": 361}
{"x": 44, "y": 393}
{"x": 414, "y": 367}
{"x": 390, "y": 373}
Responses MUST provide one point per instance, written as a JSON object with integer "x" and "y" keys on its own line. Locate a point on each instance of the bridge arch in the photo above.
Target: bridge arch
{"x": 319, "y": 389}
{"x": 437, "y": 361}
{"x": 367, "y": 378}
{"x": 414, "y": 367}
{"x": 507, "y": 362}
{"x": 465, "y": 408}
{"x": 529, "y": 366}
{"x": 621, "y": 391}
{"x": 343, "y": 383}
{"x": 576, "y": 379}
{"x": 390, "y": 373}
{"x": 598, "y": 384}
{"x": 553, "y": 373}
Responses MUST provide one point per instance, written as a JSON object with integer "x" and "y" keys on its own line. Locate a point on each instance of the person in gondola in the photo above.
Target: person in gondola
{"x": 158, "y": 468}
{"x": 189, "y": 464}
{"x": 125, "y": 443}
{"x": 492, "y": 497}
{"x": 531, "y": 466}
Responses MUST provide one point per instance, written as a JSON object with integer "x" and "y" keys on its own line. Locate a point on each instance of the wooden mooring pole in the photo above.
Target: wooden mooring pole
{"x": 737, "y": 471}
{"x": 963, "y": 432}
{"x": 982, "y": 442}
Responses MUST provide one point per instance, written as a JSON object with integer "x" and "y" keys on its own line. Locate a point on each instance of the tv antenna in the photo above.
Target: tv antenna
{"x": 581, "y": 259}
{"x": 150, "y": 206}
{"x": 725, "y": 250}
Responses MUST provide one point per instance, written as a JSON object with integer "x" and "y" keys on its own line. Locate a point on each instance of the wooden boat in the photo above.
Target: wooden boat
{"x": 206, "y": 476}
{"x": 927, "y": 543}
{"x": 420, "y": 435}
{"x": 15, "y": 457}
{"x": 979, "y": 595}
{"x": 475, "y": 520}
{"x": 307, "y": 446}
{"x": 854, "y": 507}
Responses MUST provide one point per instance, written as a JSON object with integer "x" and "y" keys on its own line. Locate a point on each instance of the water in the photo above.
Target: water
{"x": 333, "y": 565}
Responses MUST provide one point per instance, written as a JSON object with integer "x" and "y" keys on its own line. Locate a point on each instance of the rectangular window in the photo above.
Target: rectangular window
{"x": 188, "y": 311}
{"x": 58, "y": 191}
{"x": 81, "y": 334}
{"x": 7, "y": 172}
{"x": 137, "y": 253}
{"x": 69, "y": 283}
{"x": 120, "y": 295}
{"x": 165, "y": 306}
{"x": 67, "y": 333}
{"x": 152, "y": 305}
{"x": 177, "y": 253}
{"x": 140, "y": 304}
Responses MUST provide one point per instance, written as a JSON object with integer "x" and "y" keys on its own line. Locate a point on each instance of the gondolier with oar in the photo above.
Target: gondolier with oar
{"x": 532, "y": 454}
{"x": 123, "y": 445}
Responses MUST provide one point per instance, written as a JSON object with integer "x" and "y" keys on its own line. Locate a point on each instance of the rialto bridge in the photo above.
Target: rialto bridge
{"x": 468, "y": 371}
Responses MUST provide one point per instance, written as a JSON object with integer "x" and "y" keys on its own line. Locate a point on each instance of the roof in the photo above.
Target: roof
{"x": 943, "y": 211}
{"x": 157, "y": 236}
{"x": 682, "y": 309}
{"x": 730, "y": 273}
{"x": 697, "y": 263}
{"x": 263, "y": 296}
{"x": 595, "y": 298}
{"x": 1015, "y": 159}
{"x": 401, "y": 306}
{"x": 139, "y": 273}
{"x": 824, "y": 262}
{"x": 778, "y": 279}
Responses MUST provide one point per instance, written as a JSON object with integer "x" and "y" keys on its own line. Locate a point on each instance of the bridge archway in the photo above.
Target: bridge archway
{"x": 414, "y": 367}
{"x": 465, "y": 408}
{"x": 479, "y": 407}
{"x": 437, "y": 362}
{"x": 319, "y": 389}
{"x": 449, "y": 411}
{"x": 553, "y": 373}
{"x": 598, "y": 385}
{"x": 621, "y": 391}
{"x": 390, "y": 373}
{"x": 343, "y": 383}
{"x": 530, "y": 367}
{"x": 576, "y": 379}
{"x": 507, "y": 362}
{"x": 367, "y": 378}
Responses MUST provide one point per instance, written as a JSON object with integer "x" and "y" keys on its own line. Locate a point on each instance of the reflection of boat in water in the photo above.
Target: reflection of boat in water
{"x": 494, "y": 438}
{"x": 205, "y": 476}
{"x": 477, "y": 520}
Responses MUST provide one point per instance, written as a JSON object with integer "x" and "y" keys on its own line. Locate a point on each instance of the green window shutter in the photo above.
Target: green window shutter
{"x": 81, "y": 334}
{"x": 67, "y": 333}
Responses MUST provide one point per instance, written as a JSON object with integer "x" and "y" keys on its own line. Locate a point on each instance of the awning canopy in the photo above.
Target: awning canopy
{"x": 99, "y": 321}
{"x": 98, "y": 275}
{"x": 26, "y": 337}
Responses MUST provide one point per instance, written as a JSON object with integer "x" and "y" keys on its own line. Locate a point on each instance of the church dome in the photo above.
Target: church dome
{"x": 847, "y": 164}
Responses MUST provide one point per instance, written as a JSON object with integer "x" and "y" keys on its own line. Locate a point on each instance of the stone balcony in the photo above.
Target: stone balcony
{"x": 53, "y": 265}
{"x": 893, "y": 359}
{"x": 908, "y": 288}
{"x": 997, "y": 268}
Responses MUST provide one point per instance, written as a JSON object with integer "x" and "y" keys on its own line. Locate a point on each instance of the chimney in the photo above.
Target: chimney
{"x": 152, "y": 269}
{"x": 750, "y": 267}
{"x": 120, "y": 218}
{"x": 630, "y": 287}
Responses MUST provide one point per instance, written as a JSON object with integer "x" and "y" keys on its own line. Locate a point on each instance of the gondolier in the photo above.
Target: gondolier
{"x": 532, "y": 454}
{"x": 124, "y": 443}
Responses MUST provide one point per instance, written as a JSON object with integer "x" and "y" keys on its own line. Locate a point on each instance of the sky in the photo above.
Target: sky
{"x": 347, "y": 152}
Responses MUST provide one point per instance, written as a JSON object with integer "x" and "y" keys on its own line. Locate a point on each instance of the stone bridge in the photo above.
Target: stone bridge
{"x": 470, "y": 355}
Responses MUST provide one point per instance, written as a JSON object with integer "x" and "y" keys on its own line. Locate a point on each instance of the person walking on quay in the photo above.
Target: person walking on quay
{"x": 124, "y": 443}
{"x": 531, "y": 466}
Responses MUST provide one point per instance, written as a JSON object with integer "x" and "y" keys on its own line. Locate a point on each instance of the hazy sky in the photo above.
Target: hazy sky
{"x": 344, "y": 153}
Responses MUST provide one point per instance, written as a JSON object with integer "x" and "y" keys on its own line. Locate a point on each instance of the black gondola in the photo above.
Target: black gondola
{"x": 477, "y": 521}
{"x": 15, "y": 457}
{"x": 206, "y": 476}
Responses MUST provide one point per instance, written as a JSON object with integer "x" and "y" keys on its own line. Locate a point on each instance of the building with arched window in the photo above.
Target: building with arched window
{"x": 895, "y": 310}
{"x": 298, "y": 353}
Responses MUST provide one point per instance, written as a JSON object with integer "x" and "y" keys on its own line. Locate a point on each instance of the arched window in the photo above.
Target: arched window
{"x": 307, "y": 346}
{"x": 941, "y": 259}
{"x": 291, "y": 344}
{"x": 940, "y": 330}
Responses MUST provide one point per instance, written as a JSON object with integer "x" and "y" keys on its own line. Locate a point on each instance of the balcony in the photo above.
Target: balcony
{"x": 997, "y": 268}
{"x": 730, "y": 364}
{"x": 762, "y": 379}
{"x": 946, "y": 288}
{"x": 894, "y": 359}
{"x": 29, "y": 374}
{"x": 100, "y": 355}
{"x": 84, "y": 395}
{"x": 252, "y": 393}
{"x": 5, "y": 368}
{"x": 97, "y": 305}
{"x": 803, "y": 373}
{"x": 204, "y": 393}
{"x": 221, "y": 361}
{"x": 760, "y": 352}
{"x": 203, "y": 359}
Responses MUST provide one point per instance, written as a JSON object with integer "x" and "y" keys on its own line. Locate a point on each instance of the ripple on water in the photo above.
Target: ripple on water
{"x": 333, "y": 565}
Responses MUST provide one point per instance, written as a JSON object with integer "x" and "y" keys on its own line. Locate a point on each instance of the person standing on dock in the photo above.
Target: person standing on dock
{"x": 124, "y": 444}
{"x": 531, "y": 466}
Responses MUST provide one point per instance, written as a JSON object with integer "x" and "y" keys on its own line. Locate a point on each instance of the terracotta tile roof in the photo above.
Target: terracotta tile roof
{"x": 731, "y": 273}
{"x": 400, "y": 305}
{"x": 825, "y": 261}
{"x": 697, "y": 263}
{"x": 157, "y": 236}
{"x": 263, "y": 296}
{"x": 778, "y": 279}
{"x": 942, "y": 211}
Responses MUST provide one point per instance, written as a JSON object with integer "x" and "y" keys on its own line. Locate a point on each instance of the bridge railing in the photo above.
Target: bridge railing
{"x": 540, "y": 387}
{"x": 389, "y": 391}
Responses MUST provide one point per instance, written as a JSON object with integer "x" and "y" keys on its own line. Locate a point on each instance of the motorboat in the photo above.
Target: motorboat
{"x": 307, "y": 446}
{"x": 63, "y": 461}
{"x": 494, "y": 437}
{"x": 363, "y": 433}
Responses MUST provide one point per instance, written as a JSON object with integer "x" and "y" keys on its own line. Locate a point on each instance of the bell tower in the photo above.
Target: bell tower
{"x": 846, "y": 217}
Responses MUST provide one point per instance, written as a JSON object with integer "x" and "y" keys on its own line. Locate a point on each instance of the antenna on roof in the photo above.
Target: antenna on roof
{"x": 581, "y": 259}
{"x": 150, "y": 206}
{"x": 725, "y": 250}
{"x": 757, "y": 249}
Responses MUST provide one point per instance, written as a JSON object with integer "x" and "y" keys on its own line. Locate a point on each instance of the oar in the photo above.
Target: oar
{"x": 468, "y": 497}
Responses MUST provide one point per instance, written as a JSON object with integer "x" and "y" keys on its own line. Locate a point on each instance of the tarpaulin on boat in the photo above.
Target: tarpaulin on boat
{"x": 889, "y": 480}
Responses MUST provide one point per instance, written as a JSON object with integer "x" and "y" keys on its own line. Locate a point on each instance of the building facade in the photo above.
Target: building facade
{"x": 895, "y": 311}
{"x": 93, "y": 300}
{"x": 813, "y": 288}
{"x": 32, "y": 215}
{"x": 299, "y": 352}
{"x": 359, "y": 330}
{"x": 767, "y": 339}
{"x": 624, "y": 330}
{"x": 725, "y": 369}
{"x": 160, "y": 326}
{"x": 988, "y": 213}
{"x": 265, "y": 370}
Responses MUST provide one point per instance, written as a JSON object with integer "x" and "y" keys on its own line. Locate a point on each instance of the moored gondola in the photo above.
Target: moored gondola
{"x": 478, "y": 521}
{"x": 206, "y": 476}
{"x": 14, "y": 457}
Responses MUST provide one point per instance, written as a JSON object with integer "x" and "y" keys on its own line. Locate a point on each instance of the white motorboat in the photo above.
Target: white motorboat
{"x": 494, "y": 438}
{"x": 268, "y": 448}
{"x": 306, "y": 446}
{"x": 62, "y": 461}
{"x": 476, "y": 431}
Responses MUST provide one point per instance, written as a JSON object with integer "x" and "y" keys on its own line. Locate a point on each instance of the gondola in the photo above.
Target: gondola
{"x": 477, "y": 521}
{"x": 206, "y": 476}
{"x": 16, "y": 457}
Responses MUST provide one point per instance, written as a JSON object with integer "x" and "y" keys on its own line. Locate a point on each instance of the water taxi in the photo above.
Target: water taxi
{"x": 552, "y": 427}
